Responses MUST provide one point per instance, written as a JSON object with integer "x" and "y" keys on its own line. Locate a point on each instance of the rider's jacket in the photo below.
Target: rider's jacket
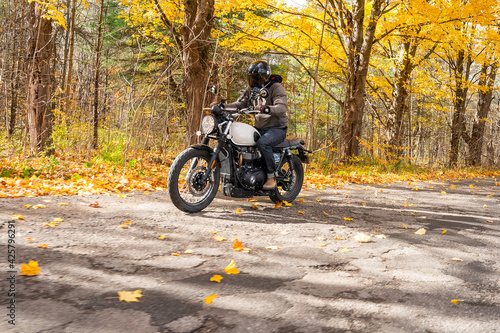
{"x": 276, "y": 101}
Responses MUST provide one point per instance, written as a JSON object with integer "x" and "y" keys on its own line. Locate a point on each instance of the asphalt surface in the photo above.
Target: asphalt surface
{"x": 304, "y": 272}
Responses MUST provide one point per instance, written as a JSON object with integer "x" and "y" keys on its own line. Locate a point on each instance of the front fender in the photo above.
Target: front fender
{"x": 203, "y": 147}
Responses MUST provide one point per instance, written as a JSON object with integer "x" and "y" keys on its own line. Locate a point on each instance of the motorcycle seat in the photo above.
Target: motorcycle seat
{"x": 289, "y": 143}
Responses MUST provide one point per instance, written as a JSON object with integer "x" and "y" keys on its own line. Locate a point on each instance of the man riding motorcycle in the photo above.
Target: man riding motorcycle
{"x": 272, "y": 122}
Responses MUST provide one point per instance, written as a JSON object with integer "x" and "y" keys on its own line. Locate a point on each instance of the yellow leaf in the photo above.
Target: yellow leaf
{"x": 63, "y": 203}
{"x": 321, "y": 245}
{"x": 238, "y": 211}
{"x": 326, "y": 213}
{"x": 471, "y": 186}
{"x": 301, "y": 200}
{"x": 17, "y": 217}
{"x": 489, "y": 221}
{"x": 348, "y": 218}
{"x": 456, "y": 259}
{"x": 213, "y": 232}
{"x": 443, "y": 192}
{"x": 210, "y": 298}
{"x": 406, "y": 204}
{"x": 345, "y": 249}
{"x": 231, "y": 268}
{"x": 456, "y": 301}
{"x": 338, "y": 238}
{"x": 216, "y": 278}
{"x": 318, "y": 200}
{"x": 251, "y": 200}
{"x": 42, "y": 246}
{"x": 58, "y": 219}
{"x": 273, "y": 247}
{"x": 404, "y": 226}
{"x": 255, "y": 207}
{"x": 278, "y": 204}
{"x": 130, "y": 296}
{"x": 287, "y": 203}
{"x": 26, "y": 206}
{"x": 301, "y": 212}
{"x": 189, "y": 251}
{"x": 30, "y": 269}
{"x": 161, "y": 237}
{"x": 362, "y": 238}
{"x": 38, "y": 206}
{"x": 219, "y": 238}
{"x": 420, "y": 231}
{"x": 364, "y": 204}
{"x": 124, "y": 225}
{"x": 51, "y": 224}
{"x": 175, "y": 254}
{"x": 444, "y": 231}
{"x": 31, "y": 239}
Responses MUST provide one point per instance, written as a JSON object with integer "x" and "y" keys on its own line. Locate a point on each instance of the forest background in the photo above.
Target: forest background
{"x": 100, "y": 89}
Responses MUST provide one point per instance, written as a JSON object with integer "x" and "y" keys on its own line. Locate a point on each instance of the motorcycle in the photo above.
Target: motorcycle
{"x": 234, "y": 162}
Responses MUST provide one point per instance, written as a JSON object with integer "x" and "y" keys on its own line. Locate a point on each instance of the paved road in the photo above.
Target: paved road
{"x": 319, "y": 280}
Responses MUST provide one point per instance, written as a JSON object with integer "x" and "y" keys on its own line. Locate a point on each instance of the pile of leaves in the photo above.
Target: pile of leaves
{"x": 21, "y": 177}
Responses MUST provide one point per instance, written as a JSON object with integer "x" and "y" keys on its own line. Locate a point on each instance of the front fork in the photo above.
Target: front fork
{"x": 213, "y": 158}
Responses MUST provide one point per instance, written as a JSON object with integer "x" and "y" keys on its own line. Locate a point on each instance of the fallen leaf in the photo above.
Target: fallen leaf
{"x": 213, "y": 232}
{"x": 456, "y": 259}
{"x": 489, "y": 221}
{"x": 63, "y": 203}
{"x": 456, "y": 301}
{"x": 31, "y": 239}
{"x": 443, "y": 192}
{"x": 42, "y": 246}
{"x": 26, "y": 206}
{"x": 326, "y": 213}
{"x": 94, "y": 205}
{"x": 210, "y": 298}
{"x": 17, "y": 217}
{"x": 216, "y": 278}
{"x": 30, "y": 269}
{"x": 362, "y": 238}
{"x": 273, "y": 247}
{"x": 321, "y": 239}
{"x": 284, "y": 232}
{"x": 189, "y": 251}
{"x": 444, "y": 231}
{"x": 321, "y": 245}
{"x": 124, "y": 225}
{"x": 251, "y": 200}
{"x": 161, "y": 237}
{"x": 301, "y": 212}
{"x": 348, "y": 218}
{"x": 278, "y": 204}
{"x": 238, "y": 246}
{"x": 58, "y": 219}
{"x": 363, "y": 203}
{"x": 231, "y": 268}
{"x": 238, "y": 211}
{"x": 404, "y": 226}
{"x": 130, "y": 296}
{"x": 51, "y": 224}
{"x": 382, "y": 236}
{"x": 255, "y": 207}
{"x": 175, "y": 254}
{"x": 345, "y": 249}
{"x": 219, "y": 238}
{"x": 38, "y": 206}
{"x": 338, "y": 238}
{"x": 287, "y": 203}
{"x": 318, "y": 200}
{"x": 420, "y": 231}
{"x": 301, "y": 200}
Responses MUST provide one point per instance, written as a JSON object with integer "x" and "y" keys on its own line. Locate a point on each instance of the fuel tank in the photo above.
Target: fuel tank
{"x": 243, "y": 134}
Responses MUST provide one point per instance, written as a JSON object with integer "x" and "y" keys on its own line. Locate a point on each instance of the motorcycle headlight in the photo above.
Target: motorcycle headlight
{"x": 208, "y": 124}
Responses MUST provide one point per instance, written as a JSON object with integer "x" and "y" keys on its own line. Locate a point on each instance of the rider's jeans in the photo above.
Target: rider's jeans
{"x": 269, "y": 138}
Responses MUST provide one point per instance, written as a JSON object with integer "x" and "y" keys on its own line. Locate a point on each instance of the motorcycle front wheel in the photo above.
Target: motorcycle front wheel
{"x": 187, "y": 192}
{"x": 289, "y": 180}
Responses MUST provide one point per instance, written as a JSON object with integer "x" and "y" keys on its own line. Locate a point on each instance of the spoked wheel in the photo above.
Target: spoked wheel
{"x": 185, "y": 186}
{"x": 289, "y": 180}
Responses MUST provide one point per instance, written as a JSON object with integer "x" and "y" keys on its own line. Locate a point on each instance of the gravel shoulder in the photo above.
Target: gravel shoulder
{"x": 320, "y": 279}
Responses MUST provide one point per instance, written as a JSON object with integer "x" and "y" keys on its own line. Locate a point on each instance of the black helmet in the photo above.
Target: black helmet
{"x": 258, "y": 73}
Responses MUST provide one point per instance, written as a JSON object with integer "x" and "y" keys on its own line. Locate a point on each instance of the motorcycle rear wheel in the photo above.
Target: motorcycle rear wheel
{"x": 289, "y": 180}
{"x": 185, "y": 188}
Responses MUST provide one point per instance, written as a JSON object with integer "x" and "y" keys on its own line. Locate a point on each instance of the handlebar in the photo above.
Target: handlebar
{"x": 249, "y": 110}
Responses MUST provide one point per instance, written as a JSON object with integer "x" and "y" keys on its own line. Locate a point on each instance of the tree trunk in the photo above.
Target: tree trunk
{"x": 38, "y": 67}
{"x": 358, "y": 48}
{"x": 195, "y": 35}
{"x": 399, "y": 105}
{"x": 68, "y": 84}
{"x": 97, "y": 65}
{"x": 485, "y": 96}
{"x": 461, "y": 70}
